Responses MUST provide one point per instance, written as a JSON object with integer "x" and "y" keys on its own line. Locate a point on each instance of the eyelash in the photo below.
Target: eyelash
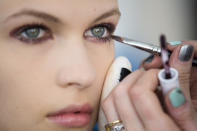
{"x": 109, "y": 28}
{"x": 48, "y": 34}
{"x": 17, "y": 33}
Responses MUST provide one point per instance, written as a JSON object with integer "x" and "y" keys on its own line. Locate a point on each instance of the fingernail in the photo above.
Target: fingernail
{"x": 176, "y": 97}
{"x": 175, "y": 42}
{"x": 186, "y": 52}
{"x": 124, "y": 72}
{"x": 142, "y": 68}
{"x": 149, "y": 59}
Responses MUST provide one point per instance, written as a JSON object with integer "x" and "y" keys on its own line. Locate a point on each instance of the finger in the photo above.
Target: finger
{"x": 181, "y": 59}
{"x": 109, "y": 109}
{"x": 190, "y": 42}
{"x": 181, "y": 110}
{"x": 193, "y": 82}
{"x": 173, "y": 45}
{"x": 179, "y": 102}
{"x": 119, "y": 69}
{"x": 147, "y": 104}
{"x": 150, "y": 61}
{"x": 123, "y": 104}
{"x": 153, "y": 61}
{"x": 194, "y": 43}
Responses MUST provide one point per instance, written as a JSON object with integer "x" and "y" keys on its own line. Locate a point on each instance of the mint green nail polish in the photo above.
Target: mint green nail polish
{"x": 176, "y": 97}
{"x": 175, "y": 42}
{"x": 143, "y": 69}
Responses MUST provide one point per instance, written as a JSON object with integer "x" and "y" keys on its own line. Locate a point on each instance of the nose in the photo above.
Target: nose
{"x": 77, "y": 70}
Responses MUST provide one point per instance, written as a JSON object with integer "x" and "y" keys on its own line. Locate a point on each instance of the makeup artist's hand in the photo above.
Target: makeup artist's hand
{"x": 135, "y": 103}
{"x": 182, "y": 110}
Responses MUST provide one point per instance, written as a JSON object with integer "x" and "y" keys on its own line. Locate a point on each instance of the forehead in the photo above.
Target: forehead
{"x": 55, "y": 3}
{"x": 68, "y": 9}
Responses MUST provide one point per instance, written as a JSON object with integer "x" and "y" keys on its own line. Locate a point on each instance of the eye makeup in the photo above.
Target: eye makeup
{"x": 27, "y": 33}
{"x": 109, "y": 28}
{"x": 36, "y": 33}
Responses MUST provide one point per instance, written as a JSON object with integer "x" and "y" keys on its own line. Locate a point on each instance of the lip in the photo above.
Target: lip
{"x": 72, "y": 116}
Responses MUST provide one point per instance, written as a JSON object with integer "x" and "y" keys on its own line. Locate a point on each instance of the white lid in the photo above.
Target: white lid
{"x": 168, "y": 84}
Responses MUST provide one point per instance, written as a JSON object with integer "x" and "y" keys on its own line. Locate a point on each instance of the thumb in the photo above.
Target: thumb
{"x": 178, "y": 100}
{"x": 181, "y": 60}
{"x": 181, "y": 110}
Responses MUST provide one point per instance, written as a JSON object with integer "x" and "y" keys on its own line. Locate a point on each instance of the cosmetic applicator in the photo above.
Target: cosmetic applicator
{"x": 153, "y": 49}
{"x": 168, "y": 76}
{"x": 164, "y": 56}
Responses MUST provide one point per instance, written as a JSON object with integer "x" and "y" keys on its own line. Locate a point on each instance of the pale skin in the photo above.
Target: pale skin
{"x": 39, "y": 77}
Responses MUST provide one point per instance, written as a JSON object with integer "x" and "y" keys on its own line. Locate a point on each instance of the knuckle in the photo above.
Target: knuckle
{"x": 139, "y": 71}
{"x": 184, "y": 76}
{"x": 135, "y": 92}
{"x": 119, "y": 92}
{"x": 152, "y": 76}
{"x": 184, "y": 79}
{"x": 153, "y": 71}
{"x": 149, "y": 114}
{"x": 184, "y": 114}
{"x": 105, "y": 103}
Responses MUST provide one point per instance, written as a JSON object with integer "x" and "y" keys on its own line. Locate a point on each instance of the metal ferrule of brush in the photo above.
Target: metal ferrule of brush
{"x": 143, "y": 46}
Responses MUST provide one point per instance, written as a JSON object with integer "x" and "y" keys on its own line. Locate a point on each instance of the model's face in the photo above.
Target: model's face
{"x": 54, "y": 56}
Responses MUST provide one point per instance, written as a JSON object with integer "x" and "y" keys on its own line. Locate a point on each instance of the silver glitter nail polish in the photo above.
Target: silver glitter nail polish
{"x": 186, "y": 52}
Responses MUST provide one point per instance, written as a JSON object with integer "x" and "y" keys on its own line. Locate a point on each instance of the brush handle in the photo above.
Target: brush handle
{"x": 145, "y": 47}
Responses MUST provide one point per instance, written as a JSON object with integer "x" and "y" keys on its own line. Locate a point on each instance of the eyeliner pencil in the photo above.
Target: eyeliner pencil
{"x": 153, "y": 49}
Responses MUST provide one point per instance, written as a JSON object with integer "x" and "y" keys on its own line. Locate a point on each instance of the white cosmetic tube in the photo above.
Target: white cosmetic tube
{"x": 168, "y": 84}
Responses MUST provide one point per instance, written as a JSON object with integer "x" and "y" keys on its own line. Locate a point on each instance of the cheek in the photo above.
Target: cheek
{"x": 15, "y": 96}
{"x": 20, "y": 90}
{"x": 102, "y": 60}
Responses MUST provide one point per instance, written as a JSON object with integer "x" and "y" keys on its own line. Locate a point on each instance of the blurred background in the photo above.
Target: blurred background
{"x": 145, "y": 20}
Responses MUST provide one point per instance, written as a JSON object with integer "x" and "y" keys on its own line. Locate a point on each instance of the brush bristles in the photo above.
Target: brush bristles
{"x": 163, "y": 41}
{"x": 117, "y": 38}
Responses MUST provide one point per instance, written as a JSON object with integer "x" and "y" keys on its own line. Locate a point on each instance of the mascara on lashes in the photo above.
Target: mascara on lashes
{"x": 48, "y": 33}
{"x": 110, "y": 28}
{"x": 16, "y": 33}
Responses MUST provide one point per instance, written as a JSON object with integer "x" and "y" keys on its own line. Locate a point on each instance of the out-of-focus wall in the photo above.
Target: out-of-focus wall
{"x": 145, "y": 20}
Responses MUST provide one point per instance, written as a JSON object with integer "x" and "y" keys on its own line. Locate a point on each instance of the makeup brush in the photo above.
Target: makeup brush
{"x": 168, "y": 77}
{"x": 154, "y": 49}
{"x": 165, "y": 57}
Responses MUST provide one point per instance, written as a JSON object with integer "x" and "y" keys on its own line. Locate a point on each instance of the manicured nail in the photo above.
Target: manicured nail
{"x": 142, "y": 68}
{"x": 124, "y": 72}
{"x": 175, "y": 42}
{"x": 149, "y": 59}
{"x": 176, "y": 97}
{"x": 186, "y": 52}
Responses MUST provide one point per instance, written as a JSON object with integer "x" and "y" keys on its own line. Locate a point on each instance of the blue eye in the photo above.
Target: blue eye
{"x": 35, "y": 33}
{"x": 100, "y": 32}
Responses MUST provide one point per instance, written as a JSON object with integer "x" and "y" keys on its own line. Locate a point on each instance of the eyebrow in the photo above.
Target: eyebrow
{"x": 37, "y": 14}
{"x": 45, "y": 16}
{"x": 108, "y": 14}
